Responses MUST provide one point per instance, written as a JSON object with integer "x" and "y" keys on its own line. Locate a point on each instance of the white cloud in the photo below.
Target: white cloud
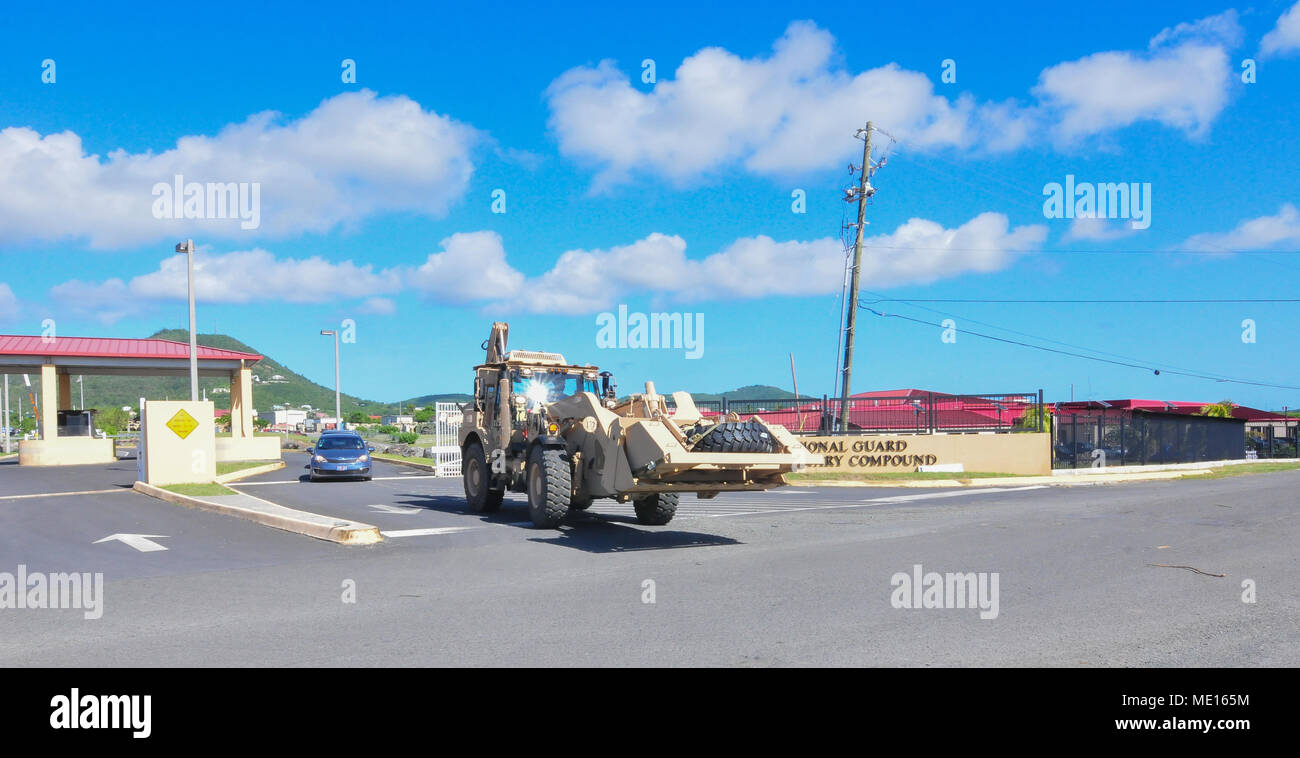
{"x": 1182, "y": 82}
{"x": 471, "y": 266}
{"x": 8, "y": 304}
{"x": 353, "y": 156}
{"x": 1223, "y": 28}
{"x": 795, "y": 109}
{"x": 585, "y": 281}
{"x": 1283, "y": 39}
{"x": 1098, "y": 230}
{"x": 236, "y": 277}
{"x": 379, "y": 306}
{"x": 791, "y": 111}
{"x": 1254, "y": 234}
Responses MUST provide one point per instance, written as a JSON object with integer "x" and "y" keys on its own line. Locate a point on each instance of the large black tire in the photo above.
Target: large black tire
{"x": 478, "y": 481}
{"x": 657, "y": 509}
{"x": 549, "y": 487}
{"x": 737, "y": 437}
{"x": 580, "y": 502}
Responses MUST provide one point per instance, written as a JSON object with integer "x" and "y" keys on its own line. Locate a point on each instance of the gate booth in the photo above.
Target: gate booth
{"x": 55, "y": 360}
{"x": 177, "y": 442}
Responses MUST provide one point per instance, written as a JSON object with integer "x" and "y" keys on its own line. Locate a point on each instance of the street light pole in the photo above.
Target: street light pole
{"x": 8, "y": 423}
{"x": 187, "y": 247}
{"x": 338, "y": 406}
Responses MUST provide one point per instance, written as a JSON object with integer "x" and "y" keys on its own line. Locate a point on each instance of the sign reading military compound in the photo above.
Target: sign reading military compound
{"x": 1018, "y": 453}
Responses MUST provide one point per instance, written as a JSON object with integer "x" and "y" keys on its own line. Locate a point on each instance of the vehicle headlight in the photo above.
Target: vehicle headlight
{"x": 362, "y": 458}
{"x": 319, "y": 459}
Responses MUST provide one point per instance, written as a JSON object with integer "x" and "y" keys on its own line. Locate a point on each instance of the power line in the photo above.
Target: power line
{"x": 1027, "y": 301}
{"x": 1091, "y": 251}
{"x": 1033, "y": 336}
{"x": 1154, "y": 369}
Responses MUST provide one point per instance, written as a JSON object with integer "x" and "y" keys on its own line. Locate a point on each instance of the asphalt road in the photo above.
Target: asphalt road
{"x": 799, "y": 576}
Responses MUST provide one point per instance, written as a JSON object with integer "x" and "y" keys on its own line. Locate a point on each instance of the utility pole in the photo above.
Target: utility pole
{"x": 863, "y": 192}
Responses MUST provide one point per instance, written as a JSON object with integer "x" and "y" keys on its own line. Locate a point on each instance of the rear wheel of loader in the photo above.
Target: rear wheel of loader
{"x": 580, "y": 502}
{"x": 737, "y": 437}
{"x": 478, "y": 482}
{"x": 657, "y": 509}
{"x": 549, "y": 487}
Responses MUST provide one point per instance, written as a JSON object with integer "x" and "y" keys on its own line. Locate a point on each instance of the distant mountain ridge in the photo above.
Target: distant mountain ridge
{"x": 292, "y": 388}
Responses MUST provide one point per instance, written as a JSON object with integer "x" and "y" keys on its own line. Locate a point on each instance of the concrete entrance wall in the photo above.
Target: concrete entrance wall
{"x": 1020, "y": 453}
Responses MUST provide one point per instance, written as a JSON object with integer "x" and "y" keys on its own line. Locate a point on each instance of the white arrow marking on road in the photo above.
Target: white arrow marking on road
{"x": 140, "y": 542}
{"x": 423, "y": 532}
{"x": 402, "y": 509}
{"x": 930, "y": 495}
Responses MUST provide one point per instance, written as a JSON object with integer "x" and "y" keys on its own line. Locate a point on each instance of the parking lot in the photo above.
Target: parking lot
{"x": 790, "y": 577}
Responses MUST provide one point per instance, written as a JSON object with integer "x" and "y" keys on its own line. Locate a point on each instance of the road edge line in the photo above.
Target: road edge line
{"x": 244, "y": 473}
{"x": 354, "y": 533}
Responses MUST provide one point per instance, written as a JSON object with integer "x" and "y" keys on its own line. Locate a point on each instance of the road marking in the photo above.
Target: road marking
{"x": 300, "y": 481}
{"x": 424, "y": 532}
{"x": 402, "y": 509}
{"x": 62, "y": 494}
{"x": 958, "y": 493}
{"x": 140, "y": 542}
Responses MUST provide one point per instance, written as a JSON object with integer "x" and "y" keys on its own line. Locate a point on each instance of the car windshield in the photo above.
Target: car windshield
{"x": 340, "y": 442}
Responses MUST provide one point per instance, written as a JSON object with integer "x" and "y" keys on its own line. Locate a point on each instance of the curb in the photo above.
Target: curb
{"x": 1048, "y": 481}
{"x": 244, "y": 473}
{"x": 399, "y": 462}
{"x": 341, "y": 531}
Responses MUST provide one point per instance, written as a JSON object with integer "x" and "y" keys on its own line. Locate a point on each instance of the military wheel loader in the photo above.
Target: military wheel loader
{"x": 558, "y": 432}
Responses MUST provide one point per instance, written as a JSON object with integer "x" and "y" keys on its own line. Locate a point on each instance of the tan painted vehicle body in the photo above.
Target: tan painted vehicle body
{"x": 637, "y": 449}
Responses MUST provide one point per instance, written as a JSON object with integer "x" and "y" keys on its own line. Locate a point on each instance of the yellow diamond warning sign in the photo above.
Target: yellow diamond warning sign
{"x": 182, "y": 423}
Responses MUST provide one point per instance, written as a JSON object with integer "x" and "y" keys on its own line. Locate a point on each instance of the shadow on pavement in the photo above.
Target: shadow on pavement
{"x": 582, "y": 530}
{"x": 595, "y": 534}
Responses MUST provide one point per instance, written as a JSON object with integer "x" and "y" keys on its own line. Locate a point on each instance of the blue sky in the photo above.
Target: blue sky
{"x": 671, "y": 196}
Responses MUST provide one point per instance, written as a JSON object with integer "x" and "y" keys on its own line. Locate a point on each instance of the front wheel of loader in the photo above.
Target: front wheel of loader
{"x": 657, "y": 509}
{"x": 478, "y": 481}
{"x": 549, "y": 487}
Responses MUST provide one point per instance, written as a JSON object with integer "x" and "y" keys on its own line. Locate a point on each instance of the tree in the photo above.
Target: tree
{"x": 1029, "y": 420}
{"x": 1221, "y": 409}
{"x": 261, "y": 423}
{"x": 357, "y": 417}
{"x": 112, "y": 420}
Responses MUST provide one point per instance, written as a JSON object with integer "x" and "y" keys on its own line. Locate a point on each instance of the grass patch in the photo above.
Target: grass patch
{"x": 199, "y": 490}
{"x": 1249, "y": 468}
{"x": 230, "y": 467}
{"x": 892, "y": 476}
{"x": 407, "y": 458}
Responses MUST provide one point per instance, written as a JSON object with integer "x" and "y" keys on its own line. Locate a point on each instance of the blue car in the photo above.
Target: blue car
{"x": 340, "y": 454}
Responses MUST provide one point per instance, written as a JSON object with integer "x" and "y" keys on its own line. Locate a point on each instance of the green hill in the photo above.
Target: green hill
{"x": 752, "y": 392}
{"x": 294, "y": 388}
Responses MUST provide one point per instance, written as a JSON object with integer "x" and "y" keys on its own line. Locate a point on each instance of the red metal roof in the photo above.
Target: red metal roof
{"x": 112, "y": 347}
{"x": 1160, "y": 406}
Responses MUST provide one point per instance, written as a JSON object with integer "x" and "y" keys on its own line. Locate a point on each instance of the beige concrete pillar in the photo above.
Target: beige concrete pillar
{"x": 65, "y": 392}
{"x": 241, "y": 403}
{"x": 49, "y": 402}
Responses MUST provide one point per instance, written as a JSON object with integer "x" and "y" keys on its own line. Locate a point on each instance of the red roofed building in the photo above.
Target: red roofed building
{"x": 55, "y": 360}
